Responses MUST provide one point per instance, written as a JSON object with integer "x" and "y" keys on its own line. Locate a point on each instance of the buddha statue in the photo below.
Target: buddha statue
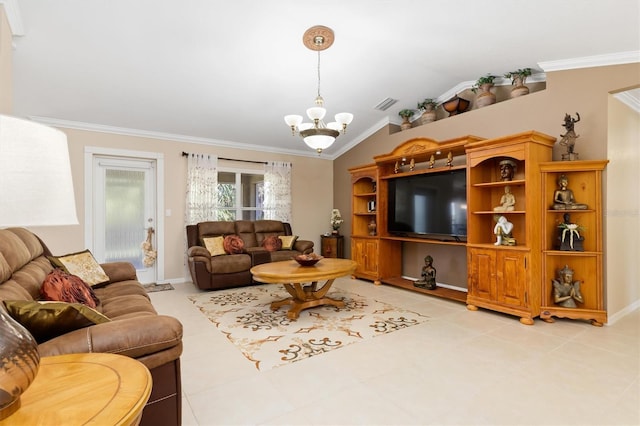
{"x": 563, "y": 198}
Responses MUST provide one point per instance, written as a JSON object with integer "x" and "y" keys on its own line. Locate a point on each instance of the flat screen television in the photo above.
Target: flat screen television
{"x": 430, "y": 205}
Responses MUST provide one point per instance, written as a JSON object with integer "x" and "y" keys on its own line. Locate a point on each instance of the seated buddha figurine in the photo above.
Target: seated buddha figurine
{"x": 507, "y": 201}
{"x": 563, "y": 198}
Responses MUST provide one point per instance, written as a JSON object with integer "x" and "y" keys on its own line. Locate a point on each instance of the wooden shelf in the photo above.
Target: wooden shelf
{"x": 499, "y": 213}
{"x": 424, "y": 240}
{"x": 518, "y": 182}
{"x": 444, "y": 292}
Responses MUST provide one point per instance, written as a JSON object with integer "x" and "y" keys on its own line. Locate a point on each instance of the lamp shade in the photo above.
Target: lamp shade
{"x": 35, "y": 171}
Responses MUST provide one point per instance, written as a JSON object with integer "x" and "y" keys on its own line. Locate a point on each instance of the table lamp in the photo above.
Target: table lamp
{"x": 36, "y": 189}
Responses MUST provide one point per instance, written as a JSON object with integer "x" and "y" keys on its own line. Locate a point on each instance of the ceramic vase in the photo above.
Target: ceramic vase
{"x": 406, "y": 124}
{"x": 519, "y": 89}
{"x": 485, "y": 96}
{"x": 428, "y": 115}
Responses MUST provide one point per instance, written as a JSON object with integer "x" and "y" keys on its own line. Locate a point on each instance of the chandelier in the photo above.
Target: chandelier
{"x": 318, "y": 135}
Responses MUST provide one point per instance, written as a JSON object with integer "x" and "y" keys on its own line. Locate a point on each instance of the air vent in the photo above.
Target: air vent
{"x": 385, "y": 104}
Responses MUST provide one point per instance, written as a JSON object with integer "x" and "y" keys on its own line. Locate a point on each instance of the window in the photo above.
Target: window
{"x": 240, "y": 194}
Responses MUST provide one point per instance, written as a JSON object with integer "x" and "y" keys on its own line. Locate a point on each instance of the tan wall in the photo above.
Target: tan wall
{"x": 6, "y": 55}
{"x": 584, "y": 90}
{"x": 622, "y": 215}
{"x": 311, "y": 209}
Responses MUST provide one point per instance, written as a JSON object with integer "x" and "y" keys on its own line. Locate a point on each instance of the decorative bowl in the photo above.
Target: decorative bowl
{"x": 455, "y": 105}
{"x": 307, "y": 259}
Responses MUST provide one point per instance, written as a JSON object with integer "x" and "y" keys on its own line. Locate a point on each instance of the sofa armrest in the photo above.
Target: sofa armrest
{"x": 119, "y": 271}
{"x": 198, "y": 251}
{"x": 133, "y": 337}
{"x": 303, "y": 246}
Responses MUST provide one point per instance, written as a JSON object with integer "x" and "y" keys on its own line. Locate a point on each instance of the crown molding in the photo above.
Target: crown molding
{"x": 361, "y": 137}
{"x": 92, "y": 127}
{"x": 618, "y": 58}
{"x": 13, "y": 16}
{"x": 630, "y": 98}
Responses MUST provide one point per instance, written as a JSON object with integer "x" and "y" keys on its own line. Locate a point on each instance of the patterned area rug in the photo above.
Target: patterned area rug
{"x": 157, "y": 287}
{"x": 269, "y": 339}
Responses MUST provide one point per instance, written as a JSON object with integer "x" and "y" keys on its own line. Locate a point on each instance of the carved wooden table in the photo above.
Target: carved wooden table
{"x": 85, "y": 389}
{"x": 293, "y": 277}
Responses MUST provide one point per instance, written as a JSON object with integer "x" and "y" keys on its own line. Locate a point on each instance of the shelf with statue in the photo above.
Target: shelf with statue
{"x": 504, "y": 232}
{"x": 563, "y": 197}
{"x": 566, "y": 291}
{"x": 569, "y": 235}
{"x": 428, "y": 276}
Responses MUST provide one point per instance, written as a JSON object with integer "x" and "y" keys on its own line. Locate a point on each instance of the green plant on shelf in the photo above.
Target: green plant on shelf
{"x": 519, "y": 74}
{"x": 487, "y": 79}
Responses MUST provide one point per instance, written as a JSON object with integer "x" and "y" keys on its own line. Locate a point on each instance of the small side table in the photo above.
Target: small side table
{"x": 85, "y": 389}
{"x": 332, "y": 246}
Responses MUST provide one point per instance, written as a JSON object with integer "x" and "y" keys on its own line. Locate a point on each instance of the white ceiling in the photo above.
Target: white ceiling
{"x": 226, "y": 72}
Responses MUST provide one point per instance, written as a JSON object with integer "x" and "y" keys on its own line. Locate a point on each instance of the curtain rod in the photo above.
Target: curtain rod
{"x": 186, "y": 154}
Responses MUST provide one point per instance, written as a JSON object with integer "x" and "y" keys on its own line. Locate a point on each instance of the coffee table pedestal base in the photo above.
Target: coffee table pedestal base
{"x": 305, "y": 297}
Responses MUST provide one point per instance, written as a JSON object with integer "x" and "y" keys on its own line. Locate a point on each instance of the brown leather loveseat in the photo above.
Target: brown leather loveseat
{"x": 135, "y": 329}
{"x": 233, "y": 270}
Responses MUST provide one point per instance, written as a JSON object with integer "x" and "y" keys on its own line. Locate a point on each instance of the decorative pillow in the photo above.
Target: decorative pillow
{"x": 288, "y": 241}
{"x": 233, "y": 244}
{"x": 83, "y": 265}
{"x": 214, "y": 245}
{"x": 46, "y": 320}
{"x": 63, "y": 287}
{"x": 272, "y": 243}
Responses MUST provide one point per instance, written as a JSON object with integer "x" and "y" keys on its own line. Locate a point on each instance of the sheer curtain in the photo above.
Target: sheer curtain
{"x": 202, "y": 188}
{"x": 277, "y": 191}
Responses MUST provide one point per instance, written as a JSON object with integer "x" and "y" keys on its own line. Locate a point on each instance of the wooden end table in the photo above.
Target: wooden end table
{"x": 293, "y": 276}
{"x": 85, "y": 389}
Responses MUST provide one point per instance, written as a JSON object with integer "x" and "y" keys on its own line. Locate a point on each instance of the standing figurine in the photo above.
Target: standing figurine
{"x": 432, "y": 161}
{"x": 566, "y": 292}
{"x": 450, "y": 159}
{"x": 569, "y": 138}
{"x": 428, "y": 277}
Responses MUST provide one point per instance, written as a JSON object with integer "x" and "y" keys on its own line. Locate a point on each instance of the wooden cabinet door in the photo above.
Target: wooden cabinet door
{"x": 364, "y": 252}
{"x": 511, "y": 279}
{"x": 482, "y": 273}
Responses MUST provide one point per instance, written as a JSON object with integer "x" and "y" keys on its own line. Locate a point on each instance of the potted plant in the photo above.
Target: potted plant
{"x": 518, "y": 78}
{"x": 428, "y": 108}
{"x": 406, "y": 114}
{"x": 484, "y": 85}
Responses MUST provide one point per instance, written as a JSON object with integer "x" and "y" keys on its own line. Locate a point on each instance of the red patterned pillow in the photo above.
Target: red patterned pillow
{"x": 233, "y": 244}
{"x": 61, "y": 286}
{"x": 272, "y": 243}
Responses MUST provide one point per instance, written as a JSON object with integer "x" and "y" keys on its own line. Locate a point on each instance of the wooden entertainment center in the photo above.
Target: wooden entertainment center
{"x": 507, "y": 278}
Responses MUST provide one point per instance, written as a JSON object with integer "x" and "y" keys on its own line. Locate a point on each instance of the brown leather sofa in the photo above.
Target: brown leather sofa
{"x": 135, "y": 329}
{"x": 233, "y": 270}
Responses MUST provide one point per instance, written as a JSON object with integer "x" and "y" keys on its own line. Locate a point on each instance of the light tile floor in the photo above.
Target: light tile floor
{"x": 459, "y": 368}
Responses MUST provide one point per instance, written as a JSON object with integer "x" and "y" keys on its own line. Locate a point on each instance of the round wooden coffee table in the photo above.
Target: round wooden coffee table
{"x": 293, "y": 277}
{"x": 85, "y": 389}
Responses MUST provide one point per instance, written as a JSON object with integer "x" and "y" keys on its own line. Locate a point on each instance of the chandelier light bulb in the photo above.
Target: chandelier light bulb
{"x": 334, "y": 125}
{"x": 293, "y": 121}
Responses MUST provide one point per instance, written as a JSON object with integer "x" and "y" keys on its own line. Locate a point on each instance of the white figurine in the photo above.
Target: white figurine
{"x": 502, "y": 230}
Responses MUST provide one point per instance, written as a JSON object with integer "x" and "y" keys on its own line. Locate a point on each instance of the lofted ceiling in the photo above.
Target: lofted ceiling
{"x": 226, "y": 72}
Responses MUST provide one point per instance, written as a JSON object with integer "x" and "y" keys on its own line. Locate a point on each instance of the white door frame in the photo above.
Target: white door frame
{"x": 92, "y": 151}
